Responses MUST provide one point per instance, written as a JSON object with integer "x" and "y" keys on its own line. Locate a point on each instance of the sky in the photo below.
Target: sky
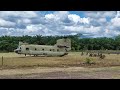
{"x": 89, "y": 23}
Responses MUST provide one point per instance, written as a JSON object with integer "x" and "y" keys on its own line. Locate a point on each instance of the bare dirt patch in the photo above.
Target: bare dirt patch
{"x": 62, "y": 73}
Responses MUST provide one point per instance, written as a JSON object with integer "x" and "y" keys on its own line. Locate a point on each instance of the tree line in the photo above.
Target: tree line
{"x": 9, "y": 43}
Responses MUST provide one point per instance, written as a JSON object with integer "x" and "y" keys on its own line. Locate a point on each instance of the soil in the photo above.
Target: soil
{"x": 61, "y": 73}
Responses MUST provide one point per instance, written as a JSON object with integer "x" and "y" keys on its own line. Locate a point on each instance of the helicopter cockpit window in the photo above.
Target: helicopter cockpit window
{"x": 27, "y": 48}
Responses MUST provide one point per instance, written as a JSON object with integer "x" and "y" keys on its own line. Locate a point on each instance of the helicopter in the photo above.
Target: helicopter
{"x": 61, "y": 48}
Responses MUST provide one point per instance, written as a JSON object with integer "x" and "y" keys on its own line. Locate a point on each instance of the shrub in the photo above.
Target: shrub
{"x": 89, "y": 61}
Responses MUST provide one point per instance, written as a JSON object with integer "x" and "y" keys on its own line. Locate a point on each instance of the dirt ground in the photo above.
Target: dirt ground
{"x": 68, "y": 67}
{"x": 61, "y": 73}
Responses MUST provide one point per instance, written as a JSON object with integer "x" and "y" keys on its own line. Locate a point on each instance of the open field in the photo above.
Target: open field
{"x": 71, "y": 66}
{"x": 72, "y": 59}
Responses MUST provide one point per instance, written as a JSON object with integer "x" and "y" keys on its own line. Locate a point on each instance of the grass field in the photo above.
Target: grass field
{"x": 72, "y": 59}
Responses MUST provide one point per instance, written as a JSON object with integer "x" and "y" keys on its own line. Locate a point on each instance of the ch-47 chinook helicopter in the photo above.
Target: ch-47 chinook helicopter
{"x": 61, "y": 48}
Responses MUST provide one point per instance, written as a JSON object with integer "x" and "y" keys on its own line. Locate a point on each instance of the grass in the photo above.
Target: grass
{"x": 72, "y": 59}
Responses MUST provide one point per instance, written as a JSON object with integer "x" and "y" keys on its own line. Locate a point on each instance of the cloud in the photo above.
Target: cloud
{"x": 88, "y": 23}
{"x": 84, "y": 30}
{"x": 98, "y": 14}
{"x": 115, "y": 22}
{"x": 4, "y": 23}
{"x": 59, "y": 15}
{"x": 20, "y": 14}
{"x": 77, "y": 19}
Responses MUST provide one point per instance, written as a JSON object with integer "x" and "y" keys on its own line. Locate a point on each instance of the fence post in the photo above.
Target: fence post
{"x": 2, "y": 60}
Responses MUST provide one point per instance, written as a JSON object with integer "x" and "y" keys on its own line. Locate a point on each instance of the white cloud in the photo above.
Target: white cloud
{"x": 118, "y": 14}
{"x": 98, "y": 14}
{"x": 93, "y": 23}
{"x": 25, "y": 14}
{"x": 108, "y": 13}
{"x": 111, "y": 33}
{"x": 63, "y": 15}
{"x": 102, "y": 20}
{"x": 33, "y": 28}
{"x": 115, "y": 22}
{"x": 57, "y": 16}
{"x": 49, "y": 16}
{"x": 4, "y": 23}
{"x": 27, "y": 21}
{"x": 77, "y": 18}
{"x": 81, "y": 29}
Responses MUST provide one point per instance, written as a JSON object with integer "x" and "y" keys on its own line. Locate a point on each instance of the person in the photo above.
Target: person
{"x": 82, "y": 53}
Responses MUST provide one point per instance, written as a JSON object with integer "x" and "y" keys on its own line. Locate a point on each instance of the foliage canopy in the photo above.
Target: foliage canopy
{"x": 9, "y": 43}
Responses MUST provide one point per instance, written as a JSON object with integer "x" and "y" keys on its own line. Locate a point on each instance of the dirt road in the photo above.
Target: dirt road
{"x": 61, "y": 73}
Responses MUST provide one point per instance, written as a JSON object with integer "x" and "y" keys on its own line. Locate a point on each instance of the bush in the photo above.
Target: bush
{"x": 89, "y": 61}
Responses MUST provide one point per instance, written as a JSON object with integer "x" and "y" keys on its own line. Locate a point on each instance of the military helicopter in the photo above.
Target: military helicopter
{"x": 61, "y": 48}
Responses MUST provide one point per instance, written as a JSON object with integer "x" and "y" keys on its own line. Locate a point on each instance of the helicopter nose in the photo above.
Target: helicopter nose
{"x": 16, "y": 51}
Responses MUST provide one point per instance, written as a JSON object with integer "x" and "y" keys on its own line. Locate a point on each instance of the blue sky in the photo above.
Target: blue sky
{"x": 89, "y": 23}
